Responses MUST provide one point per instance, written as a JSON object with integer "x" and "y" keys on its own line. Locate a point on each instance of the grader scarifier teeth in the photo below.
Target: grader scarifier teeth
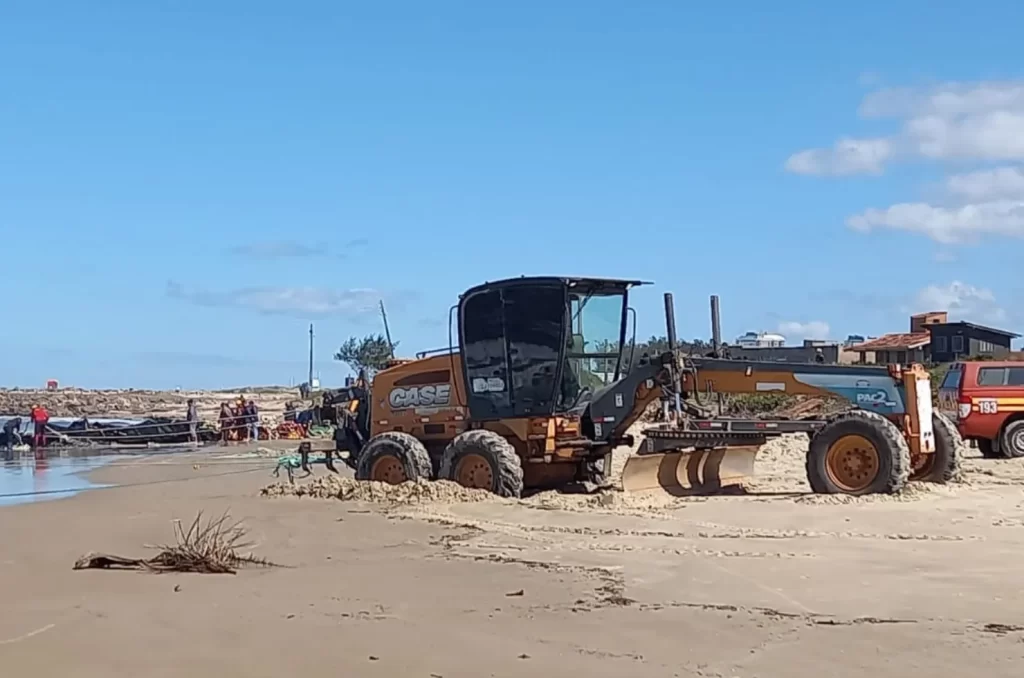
{"x": 695, "y": 472}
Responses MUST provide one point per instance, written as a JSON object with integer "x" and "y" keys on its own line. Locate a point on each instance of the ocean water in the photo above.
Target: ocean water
{"x": 28, "y": 479}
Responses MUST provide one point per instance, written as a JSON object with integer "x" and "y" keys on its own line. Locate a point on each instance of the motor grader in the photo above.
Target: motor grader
{"x": 543, "y": 383}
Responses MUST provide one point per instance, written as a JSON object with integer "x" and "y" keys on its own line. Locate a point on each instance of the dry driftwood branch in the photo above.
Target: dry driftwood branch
{"x": 210, "y": 548}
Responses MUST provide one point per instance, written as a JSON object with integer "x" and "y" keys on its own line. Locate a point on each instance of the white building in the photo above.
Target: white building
{"x": 761, "y": 340}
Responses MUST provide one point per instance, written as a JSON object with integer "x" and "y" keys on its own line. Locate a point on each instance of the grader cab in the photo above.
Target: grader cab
{"x": 544, "y": 384}
{"x": 512, "y": 407}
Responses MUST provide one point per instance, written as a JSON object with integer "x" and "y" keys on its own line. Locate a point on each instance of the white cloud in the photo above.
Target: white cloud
{"x": 847, "y": 156}
{"x": 297, "y": 301}
{"x": 948, "y": 99}
{"x": 946, "y": 225}
{"x": 963, "y": 301}
{"x": 814, "y": 329}
{"x": 980, "y": 122}
{"x": 976, "y": 121}
{"x": 988, "y": 184}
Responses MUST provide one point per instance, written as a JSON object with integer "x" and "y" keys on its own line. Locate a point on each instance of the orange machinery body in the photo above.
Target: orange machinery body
{"x": 426, "y": 398}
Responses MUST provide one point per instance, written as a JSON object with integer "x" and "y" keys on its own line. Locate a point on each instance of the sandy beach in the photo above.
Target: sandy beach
{"x": 775, "y": 583}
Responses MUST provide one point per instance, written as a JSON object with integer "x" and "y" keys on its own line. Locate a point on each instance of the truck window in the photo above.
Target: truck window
{"x": 1015, "y": 376}
{"x": 952, "y": 378}
{"x": 991, "y": 376}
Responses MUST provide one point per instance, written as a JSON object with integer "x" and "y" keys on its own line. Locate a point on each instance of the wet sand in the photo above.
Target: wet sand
{"x": 777, "y": 583}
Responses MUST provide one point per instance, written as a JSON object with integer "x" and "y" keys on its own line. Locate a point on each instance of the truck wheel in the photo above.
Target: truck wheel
{"x": 1011, "y": 441}
{"x": 858, "y": 452}
{"x": 393, "y": 457}
{"x": 942, "y": 466}
{"x": 484, "y": 460}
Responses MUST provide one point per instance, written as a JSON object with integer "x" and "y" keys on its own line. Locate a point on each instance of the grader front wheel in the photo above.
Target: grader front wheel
{"x": 852, "y": 463}
{"x": 857, "y": 453}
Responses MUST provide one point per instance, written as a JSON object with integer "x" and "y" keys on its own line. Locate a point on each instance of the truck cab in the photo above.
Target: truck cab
{"x": 986, "y": 399}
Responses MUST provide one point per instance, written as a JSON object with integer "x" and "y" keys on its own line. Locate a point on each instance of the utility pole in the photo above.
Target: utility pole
{"x": 310, "y": 382}
{"x": 387, "y": 330}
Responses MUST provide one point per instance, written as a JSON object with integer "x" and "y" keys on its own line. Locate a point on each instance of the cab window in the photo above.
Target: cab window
{"x": 952, "y": 379}
{"x": 1015, "y": 376}
{"x": 991, "y": 376}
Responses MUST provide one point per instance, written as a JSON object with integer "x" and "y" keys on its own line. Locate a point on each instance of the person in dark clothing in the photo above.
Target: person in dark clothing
{"x": 192, "y": 417}
{"x": 226, "y": 420}
{"x": 12, "y": 436}
{"x": 252, "y": 418}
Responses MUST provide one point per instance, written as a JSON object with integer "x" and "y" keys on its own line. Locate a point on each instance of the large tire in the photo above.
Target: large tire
{"x": 1011, "y": 440}
{"x": 485, "y": 460}
{"x": 858, "y": 452}
{"x": 393, "y": 457}
{"x": 943, "y": 466}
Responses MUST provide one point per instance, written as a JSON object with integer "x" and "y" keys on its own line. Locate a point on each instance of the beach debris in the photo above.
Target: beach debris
{"x": 210, "y": 547}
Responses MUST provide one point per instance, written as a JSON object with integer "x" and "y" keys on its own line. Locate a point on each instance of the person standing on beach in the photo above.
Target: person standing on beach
{"x": 253, "y": 417}
{"x": 12, "y": 436}
{"x": 241, "y": 419}
{"x": 225, "y": 422}
{"x": 192, "y": 416}
{"x": 40, "y": 417}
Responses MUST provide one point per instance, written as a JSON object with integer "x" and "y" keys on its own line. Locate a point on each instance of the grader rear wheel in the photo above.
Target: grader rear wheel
{"x": 858, "y": 452}
{"x": 393, "y": 457}
{"x": 388, "y": 470}
{"x": 484, "y": 460}
{"x": 473, "y": 470}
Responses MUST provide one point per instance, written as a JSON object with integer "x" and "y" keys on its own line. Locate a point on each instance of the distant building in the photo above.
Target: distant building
{"x": 952, "y": 341}
{"x": 933, "y": 339}
{"x": 761, "y": 340}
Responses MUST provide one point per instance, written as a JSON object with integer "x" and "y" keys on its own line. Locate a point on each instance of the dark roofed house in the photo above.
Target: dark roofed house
{"x": 954, "y": 341}
{"x": 932, "y": 339}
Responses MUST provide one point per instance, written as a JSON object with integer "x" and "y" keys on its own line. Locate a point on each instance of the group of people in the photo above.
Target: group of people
{"x": 239, "y": 420}
{"x": 12, "y": 430}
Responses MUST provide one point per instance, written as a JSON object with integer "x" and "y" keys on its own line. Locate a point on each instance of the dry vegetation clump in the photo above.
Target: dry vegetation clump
{"x": 208, "y": 548}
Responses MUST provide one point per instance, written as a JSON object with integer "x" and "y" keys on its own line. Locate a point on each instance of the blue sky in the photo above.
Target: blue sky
{"x": 184, "y": 186}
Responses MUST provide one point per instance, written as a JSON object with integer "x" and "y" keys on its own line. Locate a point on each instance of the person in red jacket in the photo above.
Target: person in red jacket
{"x": 40, "y": 417}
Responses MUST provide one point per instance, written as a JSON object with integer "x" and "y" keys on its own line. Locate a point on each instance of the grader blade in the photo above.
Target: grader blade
{"x": 682, "y": 473}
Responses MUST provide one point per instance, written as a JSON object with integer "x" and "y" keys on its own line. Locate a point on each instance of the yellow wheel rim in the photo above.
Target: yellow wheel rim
{"x": 852, "y": 463}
